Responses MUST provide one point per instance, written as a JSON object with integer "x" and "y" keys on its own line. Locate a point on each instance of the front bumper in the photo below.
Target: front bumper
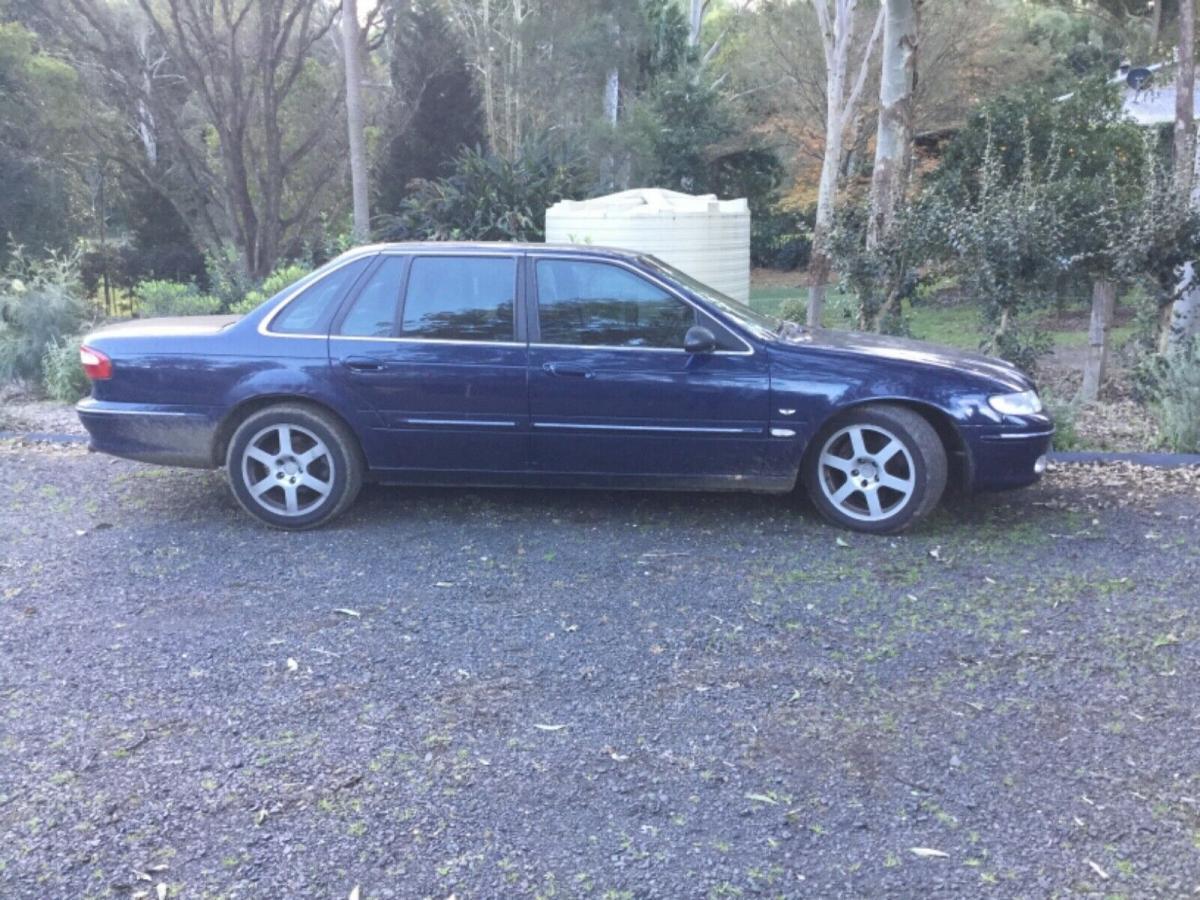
{"x": 1008, "y": 458}
{"x": 167, "y": 435}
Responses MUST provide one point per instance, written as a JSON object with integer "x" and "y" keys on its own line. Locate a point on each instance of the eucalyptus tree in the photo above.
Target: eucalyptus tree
{"x": 352, "y": 63}
{"x": 844, "y": 87}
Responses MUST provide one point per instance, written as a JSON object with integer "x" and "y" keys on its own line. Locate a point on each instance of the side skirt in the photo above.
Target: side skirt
{"x": 749, "y": 483}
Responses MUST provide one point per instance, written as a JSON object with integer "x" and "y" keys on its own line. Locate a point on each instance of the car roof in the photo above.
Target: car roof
{"x": 493, "y": 246}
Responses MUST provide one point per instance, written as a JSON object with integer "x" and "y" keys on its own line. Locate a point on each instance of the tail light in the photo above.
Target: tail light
{"x": 96, "y": 366}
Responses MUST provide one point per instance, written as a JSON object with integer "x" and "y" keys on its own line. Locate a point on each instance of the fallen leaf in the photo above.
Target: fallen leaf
{"x": 927, "y": 853}
{"x": 541, "y": 727}
{"x": 1095, "y": 868}
{"x": 348, "y": 612}
{"x": 292, "y": 665}
{"x": 161, "y": 890}
{"x": 842, "y": 542}
{"x": 354, "y": 892}
{"x": 762, "y": 798}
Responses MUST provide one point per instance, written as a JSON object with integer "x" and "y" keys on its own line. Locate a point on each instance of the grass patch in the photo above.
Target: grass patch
{"x": 953, "y": 325}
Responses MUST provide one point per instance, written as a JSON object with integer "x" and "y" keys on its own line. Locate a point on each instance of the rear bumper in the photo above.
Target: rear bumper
{"x": 167, "y": 435}
{"x": 1004, "y": 459}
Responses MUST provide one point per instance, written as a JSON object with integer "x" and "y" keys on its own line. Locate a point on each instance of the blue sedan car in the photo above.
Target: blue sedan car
{"x": 508, "y": 364}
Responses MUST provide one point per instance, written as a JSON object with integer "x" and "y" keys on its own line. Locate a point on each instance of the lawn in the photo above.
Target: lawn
{"x": 955, "y": 325}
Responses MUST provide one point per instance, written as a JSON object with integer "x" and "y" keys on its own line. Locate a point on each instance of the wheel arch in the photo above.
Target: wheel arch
{"x": 243, "y": 410}
{"x": 958, "y": 454}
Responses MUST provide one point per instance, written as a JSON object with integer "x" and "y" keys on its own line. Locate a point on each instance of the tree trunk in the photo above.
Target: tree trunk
{"x": 819, "y": 264}
{"x": 351, "y": 46}
{"x": 894, "y": 140}
{"x": 612, "y": 95}
{"x": 1185, "y": 97}
{"x": 1184, "y": 319}
{"x": 1104, "y": 296}
{"x": 1156, "y": 18}
{"x": 841, "y": 102}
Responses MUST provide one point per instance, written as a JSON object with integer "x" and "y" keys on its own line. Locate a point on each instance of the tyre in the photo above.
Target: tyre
{"x": 294, "y": 466}
{"x": 878, "y": 469}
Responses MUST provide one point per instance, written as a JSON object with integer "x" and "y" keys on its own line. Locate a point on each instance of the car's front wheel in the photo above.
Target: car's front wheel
{"x": 293, "y": 466}
{"x": 877, "y": 469}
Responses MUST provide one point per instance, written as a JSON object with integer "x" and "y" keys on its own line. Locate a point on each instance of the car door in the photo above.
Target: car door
{"x": 612, "y": 391}
{"x": 430, "y": 344}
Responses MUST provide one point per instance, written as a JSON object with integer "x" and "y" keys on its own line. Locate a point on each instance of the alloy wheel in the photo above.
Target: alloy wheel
{"x": 867, "y": 473}
{"x": 287, "y": 470}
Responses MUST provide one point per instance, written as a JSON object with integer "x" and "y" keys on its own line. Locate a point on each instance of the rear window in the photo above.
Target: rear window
{"x": 461, "y": 298}
{"x": 311, "y": 311}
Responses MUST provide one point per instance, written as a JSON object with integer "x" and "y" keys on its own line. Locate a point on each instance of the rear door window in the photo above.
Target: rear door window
{"x": 310, "y": 312}
{"x": 461, "y": 298}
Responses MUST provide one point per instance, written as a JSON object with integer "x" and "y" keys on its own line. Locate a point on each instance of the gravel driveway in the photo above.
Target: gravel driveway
{"x": 560, "y": 694}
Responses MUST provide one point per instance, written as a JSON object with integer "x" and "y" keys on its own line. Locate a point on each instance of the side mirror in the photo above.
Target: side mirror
{"x": 699, "y": 340}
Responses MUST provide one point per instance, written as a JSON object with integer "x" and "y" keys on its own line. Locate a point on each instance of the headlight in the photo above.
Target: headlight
{"x": 1025, "y": 403}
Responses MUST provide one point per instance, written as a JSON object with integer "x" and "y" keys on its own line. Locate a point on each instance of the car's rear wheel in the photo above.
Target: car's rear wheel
{"x": 293, "y": 466}
{"x": 878, "y": 469}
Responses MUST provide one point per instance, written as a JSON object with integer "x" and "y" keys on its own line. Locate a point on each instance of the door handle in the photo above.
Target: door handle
{"x": 363, "y": 364}
{"x": 568, "y": 371}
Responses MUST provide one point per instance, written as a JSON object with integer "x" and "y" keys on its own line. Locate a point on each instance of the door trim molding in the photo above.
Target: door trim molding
{"x": 587, "y": 426}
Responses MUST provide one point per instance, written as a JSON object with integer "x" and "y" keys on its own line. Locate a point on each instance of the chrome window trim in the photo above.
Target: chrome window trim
{"x": 264, "y": 325}
{"x": 587, "y": 426}
{"x": 404, "y": 340}
{"x": 535, "y": 258}
{"x": 608, "y": 348}
{"x": 582, "y": 256}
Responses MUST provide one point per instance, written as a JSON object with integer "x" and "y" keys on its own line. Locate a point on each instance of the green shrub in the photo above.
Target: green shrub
{"x": 285, "y": 276}
{"x": 228, "y": 280}
{"x": 793, "y": 309}
{"x": 1066, "y": 434}
{"x": 172, "y": 298}
{"x": 1178, "y": 400}
{"x": 39, "y": 303}
{"x": 62, "y": 374}
{"x": 489, "y": 198}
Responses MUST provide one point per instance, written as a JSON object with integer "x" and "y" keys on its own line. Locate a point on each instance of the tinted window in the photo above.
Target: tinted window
{"x": 460, "y": 298}
{"x": 596, "y": 304}
{"x": 310, "y": 312}
{"x": 373, "y": 313}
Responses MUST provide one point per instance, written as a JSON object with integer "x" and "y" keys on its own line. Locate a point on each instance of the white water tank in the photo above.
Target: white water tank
{"x": 707, "y": 238}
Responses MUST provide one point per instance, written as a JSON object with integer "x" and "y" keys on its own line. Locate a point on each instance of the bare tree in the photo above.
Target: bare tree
{"x": 493, "y": 34}
{"x": 241, "y": 135}
{"x": 842, "y": 96}
{"x": 352, "y": 56}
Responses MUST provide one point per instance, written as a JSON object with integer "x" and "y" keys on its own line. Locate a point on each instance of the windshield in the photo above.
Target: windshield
{"x": 760, "y": 324}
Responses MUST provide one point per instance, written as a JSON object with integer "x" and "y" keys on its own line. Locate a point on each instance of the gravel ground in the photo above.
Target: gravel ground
{"x": 560, "y": 694}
